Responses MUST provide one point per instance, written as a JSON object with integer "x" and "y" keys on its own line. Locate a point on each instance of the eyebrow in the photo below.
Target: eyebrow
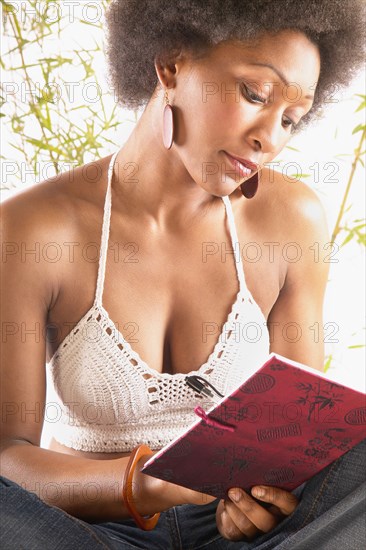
{"x": 279, "y": 74}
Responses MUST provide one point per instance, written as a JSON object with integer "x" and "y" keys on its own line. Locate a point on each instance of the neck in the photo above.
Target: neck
{"x": 153, "y": 181}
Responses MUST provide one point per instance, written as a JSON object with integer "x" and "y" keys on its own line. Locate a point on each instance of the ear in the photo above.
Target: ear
{"x": 167, "y": 68}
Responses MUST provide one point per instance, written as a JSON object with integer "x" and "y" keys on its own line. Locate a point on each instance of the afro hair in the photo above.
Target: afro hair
{"x": 138, "y": 31}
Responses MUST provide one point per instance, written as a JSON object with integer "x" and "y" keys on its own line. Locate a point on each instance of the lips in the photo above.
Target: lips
{"x": 245, "y": 168}
{"x": 245, "y": 165}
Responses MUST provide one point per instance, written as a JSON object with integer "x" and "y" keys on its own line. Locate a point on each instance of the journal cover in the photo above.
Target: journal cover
{"x": 279, "y": 428}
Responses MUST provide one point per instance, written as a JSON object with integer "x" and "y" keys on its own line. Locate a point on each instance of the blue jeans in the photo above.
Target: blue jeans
{"x": 331, "y": 515}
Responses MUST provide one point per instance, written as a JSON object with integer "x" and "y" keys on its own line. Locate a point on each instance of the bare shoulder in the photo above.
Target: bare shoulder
{"x": 289, "y": 209}
{"x": 37, "y": 223}
{"x": 57, "y": 202}
{"x": 300, "y": 220}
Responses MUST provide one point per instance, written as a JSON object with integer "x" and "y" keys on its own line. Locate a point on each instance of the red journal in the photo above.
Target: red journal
{"x": 280, "y": 427}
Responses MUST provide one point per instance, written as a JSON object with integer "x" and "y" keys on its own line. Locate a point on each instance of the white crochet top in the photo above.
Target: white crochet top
{"x": 110, "y": 400}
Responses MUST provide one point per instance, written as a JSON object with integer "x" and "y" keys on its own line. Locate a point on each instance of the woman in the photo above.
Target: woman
{"x": 174, "y": 211}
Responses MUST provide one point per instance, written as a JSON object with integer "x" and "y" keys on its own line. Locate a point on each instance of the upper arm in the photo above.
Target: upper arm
{"x": 26, "y": 294}
{"x": 296, "y": 319}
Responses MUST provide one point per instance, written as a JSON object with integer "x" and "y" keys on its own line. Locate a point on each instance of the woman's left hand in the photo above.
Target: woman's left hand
{"x": 243, "y": 516}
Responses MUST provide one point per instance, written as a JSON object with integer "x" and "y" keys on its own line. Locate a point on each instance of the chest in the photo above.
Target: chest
{"x": 169, "y": 295}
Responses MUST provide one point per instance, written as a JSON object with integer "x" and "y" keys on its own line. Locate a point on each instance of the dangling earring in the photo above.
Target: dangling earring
{"x": 168, "y": 123}
{"x": 250, "y": 186}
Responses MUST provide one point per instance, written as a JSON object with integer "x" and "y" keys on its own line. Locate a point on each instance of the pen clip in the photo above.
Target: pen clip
{"x": 203, "y": 387}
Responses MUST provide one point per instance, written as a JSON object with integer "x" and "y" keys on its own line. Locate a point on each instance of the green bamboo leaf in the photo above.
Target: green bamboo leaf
{"x": 292, "y": 148}
{"x": 77, "y": 108}
{"x": 359, "y": 128}
{"x": 17, "y": 148}
{"x": 328, "y": 363}
{"x": 114, "y": 143}
{"x": 9, "y": 52}
{"x": 357, "y": 346}
{"x": 39, "y": 143}
{"x": 98, "y": 25}
{"x": 299, "y": 176}
{"x": 348, "y": 238}
{"x": 57, "y": 61}
{"x": 361, "y": 106}
{"x": 23, "y": 66}
{"x": 362, "y": 239}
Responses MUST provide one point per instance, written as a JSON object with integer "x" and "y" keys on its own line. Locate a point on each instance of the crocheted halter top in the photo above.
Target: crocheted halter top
{"x": 110, "y": 400}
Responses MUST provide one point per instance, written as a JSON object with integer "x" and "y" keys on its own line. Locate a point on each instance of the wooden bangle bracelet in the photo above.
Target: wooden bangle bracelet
{"x": 147, "y": 523}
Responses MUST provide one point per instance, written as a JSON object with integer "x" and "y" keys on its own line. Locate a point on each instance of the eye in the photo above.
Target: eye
{"x": 288, "y": 123}
{"x": 251, "y": 96}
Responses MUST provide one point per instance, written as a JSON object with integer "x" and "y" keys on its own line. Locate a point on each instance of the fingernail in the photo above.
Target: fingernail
{"x": 258, "y": 492}
{"x": 235, "y": 495}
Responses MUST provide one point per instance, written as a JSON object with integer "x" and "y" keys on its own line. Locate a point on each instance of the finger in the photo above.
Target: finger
{"x": 232, "y": 526}
{"x": 285, "y": 501}
{"x": 243, "y": 508}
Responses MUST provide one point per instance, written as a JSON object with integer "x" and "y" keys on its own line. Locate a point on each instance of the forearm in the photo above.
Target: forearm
{"x": 85, "y": 488}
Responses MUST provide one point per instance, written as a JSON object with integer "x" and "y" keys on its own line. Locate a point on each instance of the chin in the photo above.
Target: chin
{"x": 221, "y": 188}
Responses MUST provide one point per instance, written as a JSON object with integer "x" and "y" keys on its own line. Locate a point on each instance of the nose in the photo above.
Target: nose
{"x": 266, "y": 133}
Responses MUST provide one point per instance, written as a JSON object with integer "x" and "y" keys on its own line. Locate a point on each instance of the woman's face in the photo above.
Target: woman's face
{"x": 241, "y": 99}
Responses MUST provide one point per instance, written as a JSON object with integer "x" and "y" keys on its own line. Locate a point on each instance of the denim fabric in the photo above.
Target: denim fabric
{"x": 331, "y": 515}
